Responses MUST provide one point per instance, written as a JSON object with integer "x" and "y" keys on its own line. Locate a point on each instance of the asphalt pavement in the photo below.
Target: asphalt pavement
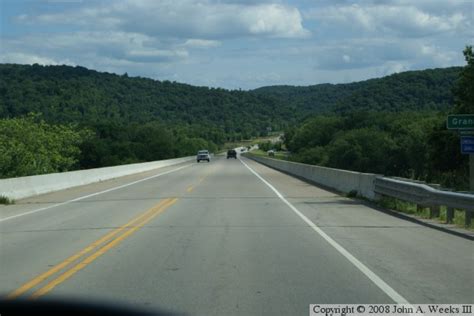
{"x": 230, "y": 237}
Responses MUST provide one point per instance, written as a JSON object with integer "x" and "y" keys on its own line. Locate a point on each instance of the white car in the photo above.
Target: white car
{"x": 203, "y": 155}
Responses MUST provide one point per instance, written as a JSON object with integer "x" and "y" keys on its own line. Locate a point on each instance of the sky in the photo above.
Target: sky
{"x": 242, "y": 44}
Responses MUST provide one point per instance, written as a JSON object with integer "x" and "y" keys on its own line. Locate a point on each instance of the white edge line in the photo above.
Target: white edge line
{"x": 394, "y": 295}
{"x": 90, "y": 195}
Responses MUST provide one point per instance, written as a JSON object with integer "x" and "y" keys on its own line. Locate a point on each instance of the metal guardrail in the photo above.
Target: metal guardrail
{"x": 425, "y": 196}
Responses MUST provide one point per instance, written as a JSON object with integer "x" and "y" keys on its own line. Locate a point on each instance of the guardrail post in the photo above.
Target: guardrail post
{"x": 468, "y": 217}
{"x": 434, "y": 211}
{"x": 449, "y": 215}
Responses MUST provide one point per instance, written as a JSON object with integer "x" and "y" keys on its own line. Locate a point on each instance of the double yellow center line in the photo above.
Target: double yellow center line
{"x": 104, "y": 244}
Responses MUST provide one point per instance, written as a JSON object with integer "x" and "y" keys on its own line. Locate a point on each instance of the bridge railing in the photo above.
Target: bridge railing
{"x": 374, "y": 187}
{"x": 426, "y": 196}
{"x": 22, "y": 187}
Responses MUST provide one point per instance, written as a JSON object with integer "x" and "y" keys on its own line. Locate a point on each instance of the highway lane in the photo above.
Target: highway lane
{"x": 218, "y": 240}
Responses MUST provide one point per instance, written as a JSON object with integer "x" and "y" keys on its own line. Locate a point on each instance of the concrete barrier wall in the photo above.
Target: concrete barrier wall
{"x": 338, "y": 179}
{"x": 22, "y": 187}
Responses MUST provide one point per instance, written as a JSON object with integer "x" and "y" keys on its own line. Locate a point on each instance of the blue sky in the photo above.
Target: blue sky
{"x": 239, "y": 44}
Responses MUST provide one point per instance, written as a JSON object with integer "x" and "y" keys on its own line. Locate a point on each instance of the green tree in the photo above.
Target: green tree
{"x": 265, "y": 146}
{"x": 314, "y": 155}
{"x": 30, "y": 146}
{"x": 364, "y": 150}
{"x": 464, "y": 89}
{"x": 318, "y": 131}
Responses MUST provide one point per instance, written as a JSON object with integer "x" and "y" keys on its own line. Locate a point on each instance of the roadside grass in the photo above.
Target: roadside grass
{"x": 259, "y": 152}
{"x": 278, "y": 155}
{"x": 6, "y": 201}
{"x": 423, "y": 212}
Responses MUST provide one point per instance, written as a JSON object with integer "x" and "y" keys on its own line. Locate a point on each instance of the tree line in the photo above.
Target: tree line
{"x": 59, "y": 118}
{"x": 30, "y": 146}
{"x": 411, "y": 144}
{"x": 426, "y": 90}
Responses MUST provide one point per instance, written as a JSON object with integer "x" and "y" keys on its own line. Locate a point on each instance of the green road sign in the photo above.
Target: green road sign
{"x": 460, "y": 121}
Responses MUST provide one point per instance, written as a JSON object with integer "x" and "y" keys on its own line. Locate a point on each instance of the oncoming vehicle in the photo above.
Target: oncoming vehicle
{"x": 231, "y": 153}
{"x": 203, "y": 155}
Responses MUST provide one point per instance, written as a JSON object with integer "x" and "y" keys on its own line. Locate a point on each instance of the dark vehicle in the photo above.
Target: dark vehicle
{"x": 231, "y": 153}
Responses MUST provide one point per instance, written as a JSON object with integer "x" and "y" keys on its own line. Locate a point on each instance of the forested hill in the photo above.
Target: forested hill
{"x": 59, "y": 118}
{"x": 76, "y": 94}
{"x": 413, "y": 90}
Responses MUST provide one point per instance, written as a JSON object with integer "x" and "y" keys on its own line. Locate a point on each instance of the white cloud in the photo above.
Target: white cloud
{"x": 119, "y": 45}
{"x": 27, "y": 58}
{"x": 438, "y": 56}
{"x": 155, "y": 55}
{"x": 406, "y": 20}
{"x": 186, "y": 19}
{"x": 243, "y": 43}
{"x": 392, "y": 67}
{"x": 273, "y": 20}
{"x": 200, "y": 43}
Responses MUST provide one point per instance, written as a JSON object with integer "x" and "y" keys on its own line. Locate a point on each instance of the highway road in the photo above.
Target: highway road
{"x": 230, "y": 237}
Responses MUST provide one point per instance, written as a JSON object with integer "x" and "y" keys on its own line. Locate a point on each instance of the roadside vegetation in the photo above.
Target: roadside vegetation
{"x": 277, "y": 154}
{"x": 410, "y": 144}
{"x": 407, "y": 144}
{"x": 28, "y": 145}
{"x": 60, "y": 118}
{"x": 6, "y": 201}
{"x": 423, "y": 212}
